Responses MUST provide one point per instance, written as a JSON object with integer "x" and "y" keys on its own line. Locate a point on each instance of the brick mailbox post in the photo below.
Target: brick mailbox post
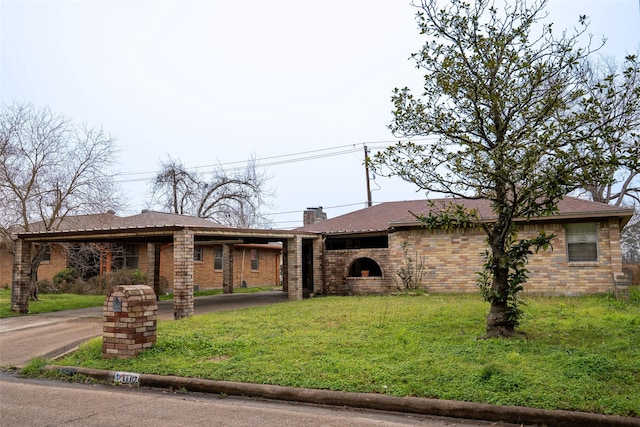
{"x": 129, "y": 321}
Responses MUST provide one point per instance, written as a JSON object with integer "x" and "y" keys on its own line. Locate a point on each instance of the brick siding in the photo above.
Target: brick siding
{"x": 451, "y": 259}
{"x": 207, "y": 278}
{"x": 268, "y": 273}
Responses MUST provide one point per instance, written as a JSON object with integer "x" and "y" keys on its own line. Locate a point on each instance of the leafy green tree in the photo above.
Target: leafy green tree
{"x": 503, "y": 107}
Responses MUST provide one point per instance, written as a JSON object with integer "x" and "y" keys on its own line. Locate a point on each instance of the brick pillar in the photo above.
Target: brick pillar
{"x": 318, "y": 266}
{"x": 294, "y": 267}
{"x": 285, "y": 267}
{"x": 182, "y": 274}
{"x": 129, "y": 321}
{"x": 153, "y": 267}
{"x": 227, "y": 268}
{"x": 21, "y": 277}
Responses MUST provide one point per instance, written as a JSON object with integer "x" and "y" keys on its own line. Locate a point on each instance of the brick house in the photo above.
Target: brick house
{"x": 363, "y": 252}
{"x": 185, "y": 249}
{"x": 357, "y": 253}
{"x": 256, "y": 264}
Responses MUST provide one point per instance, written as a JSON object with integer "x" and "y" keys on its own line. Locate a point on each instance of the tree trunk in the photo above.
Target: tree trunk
{"x": 33, "y": 289}
{"x": 499, "y": 321}
{"x": 35, "y": 264}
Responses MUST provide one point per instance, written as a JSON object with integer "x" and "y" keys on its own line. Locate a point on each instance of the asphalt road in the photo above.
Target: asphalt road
{"x": 25, "y": 402}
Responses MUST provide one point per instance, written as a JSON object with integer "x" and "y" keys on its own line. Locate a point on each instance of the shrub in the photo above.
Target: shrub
{"x": 65, "y": 276}
{"x": 67, "y": 280}
{"x": 102, "y": 283}
{"x": 127, "y": 277}
{"x": 46, "y": 287}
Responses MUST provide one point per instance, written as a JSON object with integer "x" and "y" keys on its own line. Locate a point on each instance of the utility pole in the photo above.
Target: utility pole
{"x": 366, "y": 169}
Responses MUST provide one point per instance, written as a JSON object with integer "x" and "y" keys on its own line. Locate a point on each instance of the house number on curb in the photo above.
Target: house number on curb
{"x": 126, "y": 378}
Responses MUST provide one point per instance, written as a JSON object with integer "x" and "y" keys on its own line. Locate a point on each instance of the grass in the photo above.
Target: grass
{"x": 56, "y": 302}
{"x": 50, "y": 302}
{"x": 576, "y": 353}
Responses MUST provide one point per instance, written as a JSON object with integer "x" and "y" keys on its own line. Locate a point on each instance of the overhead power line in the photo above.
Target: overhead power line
{"x": 277, "y": 160}
{"x": 281, "y": 156}
{"x": 301, "y": 156}
{"x": 324, "y": 207}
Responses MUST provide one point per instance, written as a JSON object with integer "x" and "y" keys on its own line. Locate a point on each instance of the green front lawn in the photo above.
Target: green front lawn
{"x": 579, "y": 353}
{"x": 57, "y": 302}
{"x": 50, "y": 302}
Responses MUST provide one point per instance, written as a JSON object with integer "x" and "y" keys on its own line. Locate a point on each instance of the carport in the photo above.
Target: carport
{"x": 183, "y": 239}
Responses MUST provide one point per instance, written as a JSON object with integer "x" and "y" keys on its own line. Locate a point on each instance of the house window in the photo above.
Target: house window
{"x": 47, "y": 254}
{"x": 130, "y": 256}
{"x": 255, "y": 264}
{"x": 582, "y": 242}
{"x": 217, "y": 258}
{"x": 197, "y": 253}
{"x": 366, "y": 242}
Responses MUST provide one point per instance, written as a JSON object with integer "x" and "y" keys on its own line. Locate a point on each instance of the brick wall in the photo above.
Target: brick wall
{"x": 207, "y": 278}
{"x": 58, "y": 261}
{"x": 451, "y": 259}
{"x": 46, "y": 270}
{"x": 6, "y": 265}
{"x": 336, "y": 269}
{"x": 268, "y": 273}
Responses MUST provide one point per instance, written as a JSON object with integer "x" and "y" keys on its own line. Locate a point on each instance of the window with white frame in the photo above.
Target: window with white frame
{"x": 255, "y": 262}
{"x": 217, "y": 258}
{"x": 197, "y": 253}
{"x": 582, "y": 242}
{"x": 47, "y": 254}
{"x": 130, "y": 256}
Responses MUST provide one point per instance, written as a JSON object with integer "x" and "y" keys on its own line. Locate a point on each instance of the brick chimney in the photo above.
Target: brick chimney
{"x": 313, "y": 215}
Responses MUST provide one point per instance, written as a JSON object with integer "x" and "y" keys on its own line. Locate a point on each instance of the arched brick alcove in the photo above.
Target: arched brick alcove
{"x": 364, "y": 267}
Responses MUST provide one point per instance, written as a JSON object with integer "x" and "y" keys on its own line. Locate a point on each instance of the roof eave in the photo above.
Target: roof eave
{"x": 624, "y": 214}
{"x": 353, "y": 232}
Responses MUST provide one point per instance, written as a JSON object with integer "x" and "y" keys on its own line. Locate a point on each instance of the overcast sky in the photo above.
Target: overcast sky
{"x": 300, "y": 84}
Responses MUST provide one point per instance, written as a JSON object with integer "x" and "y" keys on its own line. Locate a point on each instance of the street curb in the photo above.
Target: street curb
{"x": 415, "y": 405}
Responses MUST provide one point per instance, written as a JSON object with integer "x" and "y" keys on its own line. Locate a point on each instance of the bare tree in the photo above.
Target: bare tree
{"x": 175, "y": 189}
{"x": 609, "y": 158}
{"x": 50, "y": 168}
{"x": 233, "y": 199}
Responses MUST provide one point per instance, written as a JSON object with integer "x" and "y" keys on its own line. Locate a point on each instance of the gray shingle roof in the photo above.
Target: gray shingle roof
{"x": 386, "y": 215}
{"x": 109, "y": 220}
